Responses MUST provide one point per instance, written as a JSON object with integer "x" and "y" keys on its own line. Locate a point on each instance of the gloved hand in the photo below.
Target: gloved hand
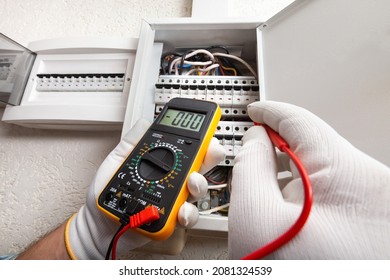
{"x": 89, "y": 232}
{"x": 350, "y": 217}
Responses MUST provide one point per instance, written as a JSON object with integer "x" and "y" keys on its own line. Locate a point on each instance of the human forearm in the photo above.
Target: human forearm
{"x": 50, "y": 247}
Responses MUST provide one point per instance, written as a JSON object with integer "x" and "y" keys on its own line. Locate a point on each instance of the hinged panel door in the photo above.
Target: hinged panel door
{"x": 16, "y": 62}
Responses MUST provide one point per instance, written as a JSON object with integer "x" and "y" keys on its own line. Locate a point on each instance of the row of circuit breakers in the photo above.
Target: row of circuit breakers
{"x": 67, "y": 82}
{"x": 232, "y": 93}
{"x": 80, "y": 82}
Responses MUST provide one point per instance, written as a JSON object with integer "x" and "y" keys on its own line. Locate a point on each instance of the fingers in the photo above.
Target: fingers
{"x": 197, "y": 186}
{"x": 188, "y": 215}
{"x": 256, "y": 202}
{"x": 197, "y": 183}
{"x": 215, "y": 154}
{"x": 293, "y": 123}
{"x": 255, "y": 170}
{"x": 311, "y": 139}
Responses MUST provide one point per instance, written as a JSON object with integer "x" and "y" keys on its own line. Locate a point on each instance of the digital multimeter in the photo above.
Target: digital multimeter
{"x": 157, "y": 169}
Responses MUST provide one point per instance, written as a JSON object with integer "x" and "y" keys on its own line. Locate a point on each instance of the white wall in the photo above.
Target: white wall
{"x": 44, "y": 174}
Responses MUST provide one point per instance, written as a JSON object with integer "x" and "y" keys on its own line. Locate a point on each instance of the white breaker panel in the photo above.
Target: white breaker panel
{"x": 98, "y": 81}
{"x": 76, "y": 83}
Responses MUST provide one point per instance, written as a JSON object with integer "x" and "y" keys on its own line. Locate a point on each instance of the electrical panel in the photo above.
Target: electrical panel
{"x": 71, "y": 83}
{"x": 214, "y": 61}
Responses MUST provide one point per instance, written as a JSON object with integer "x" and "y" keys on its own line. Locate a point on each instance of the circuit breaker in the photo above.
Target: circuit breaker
{"x": 67, "y": 83}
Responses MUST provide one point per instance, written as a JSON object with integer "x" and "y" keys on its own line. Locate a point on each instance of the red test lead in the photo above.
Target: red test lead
{"x": 277, "y": 243}
{"x": 148, "y": 215}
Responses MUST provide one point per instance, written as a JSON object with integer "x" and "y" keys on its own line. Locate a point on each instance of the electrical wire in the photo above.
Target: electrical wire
{"x": 147, "y": 215}
{"x": 283, "y": 146}
{"x": 176, "y": 64}
{"x": 230, "y": 69}
{"x": 218, "y": 47}
{"x": 112, "y": 242}
{"x": 189, "y": 55}
{"x": 115, "y": 241}
{"x": 202, "y": 57}
{"x": 182, "y": 62}
{"x": 215, "y": 209}
{"x": 221, "y": 69}
{"x": 217, "y": 187}
{"x": 238, "y": 59}
{"x": 214, "y": 66}
{"x": 218, "y": 175}
{"x": 164, "y": 58}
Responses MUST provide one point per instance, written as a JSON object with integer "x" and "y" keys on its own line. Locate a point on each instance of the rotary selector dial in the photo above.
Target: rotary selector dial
{"x": 156, "y": 163}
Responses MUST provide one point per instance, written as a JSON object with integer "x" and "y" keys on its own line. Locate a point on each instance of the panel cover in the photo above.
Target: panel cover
{"x": 15, "y": 65}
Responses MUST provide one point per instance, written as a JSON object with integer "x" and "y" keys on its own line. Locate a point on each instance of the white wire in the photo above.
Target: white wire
{"x": 203, "y": 69}
{"x": 200, "y": 51}
{"x": 215, "y": 209}
{"x": 217, "y": 187}
{"x": 174, "y": 62}
{"x": 198, "y": 63}
{"x": 238, "y": 59}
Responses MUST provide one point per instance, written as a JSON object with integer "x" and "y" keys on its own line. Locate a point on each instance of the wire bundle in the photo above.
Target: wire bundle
{"x": 202, "y": 62}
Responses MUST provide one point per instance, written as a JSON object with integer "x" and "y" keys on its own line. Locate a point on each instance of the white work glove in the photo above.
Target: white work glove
{"x": 350, "y": 218}
{"x": 89, "y": 232}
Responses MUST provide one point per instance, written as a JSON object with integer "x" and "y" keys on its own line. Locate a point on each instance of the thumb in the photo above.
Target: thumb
{"x": 258, "y": 212}
{"x": 256, "y": 166}
{"x": 255, "y": 195}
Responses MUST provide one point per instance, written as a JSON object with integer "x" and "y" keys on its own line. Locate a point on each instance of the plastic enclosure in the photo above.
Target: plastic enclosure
{"x": 76, "y": 83}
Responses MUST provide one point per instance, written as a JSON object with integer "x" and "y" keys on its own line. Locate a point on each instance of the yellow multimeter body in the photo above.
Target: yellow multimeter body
{"x": 157, "y": 169}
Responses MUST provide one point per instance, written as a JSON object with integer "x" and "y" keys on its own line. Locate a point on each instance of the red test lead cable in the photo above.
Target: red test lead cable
{"x": 277, "y": 243}
{"x": 148, "y": 215}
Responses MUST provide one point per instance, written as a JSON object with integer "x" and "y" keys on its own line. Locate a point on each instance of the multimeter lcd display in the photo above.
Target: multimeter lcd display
{"x": 183, "y": 119}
